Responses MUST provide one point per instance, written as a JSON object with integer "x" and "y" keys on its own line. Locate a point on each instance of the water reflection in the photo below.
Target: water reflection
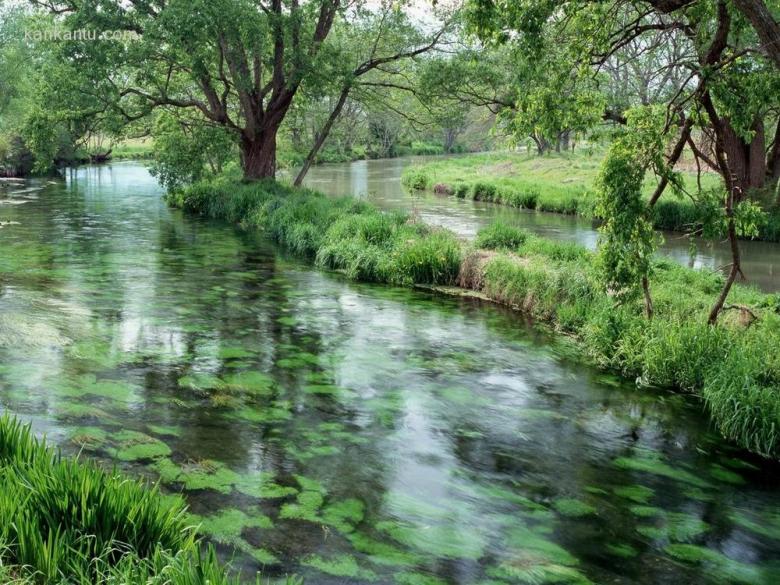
{"x": 355, "y": 433}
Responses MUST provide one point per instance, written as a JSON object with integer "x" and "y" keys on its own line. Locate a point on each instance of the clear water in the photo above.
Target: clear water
{"x": 354, "y": 433}
{"x": 380, "y": 181}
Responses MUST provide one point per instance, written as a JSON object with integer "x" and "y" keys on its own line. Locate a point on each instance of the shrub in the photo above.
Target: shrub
{"x": 461, "y": 189}
{"x": 416, "y": 179}
{"x": 500, "y": 235}
{"x": 483, "y": 191}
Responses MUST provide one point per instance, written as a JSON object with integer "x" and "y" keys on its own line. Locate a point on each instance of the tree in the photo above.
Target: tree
{"x": 239, "y": 63}
{"x": 727, "y": 53}
{"x": 375, "y": 47}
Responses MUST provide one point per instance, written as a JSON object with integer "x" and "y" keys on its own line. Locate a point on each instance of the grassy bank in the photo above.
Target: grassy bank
{"x": 560, "y": 183}
{"x": 67, "y": 521}
{"x": 734, "y": 368}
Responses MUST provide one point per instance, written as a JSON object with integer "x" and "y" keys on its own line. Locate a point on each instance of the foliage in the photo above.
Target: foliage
{"x": 184, "y": 151}
{"x": 627, "y": 240}
{"x": 65, "y": 520}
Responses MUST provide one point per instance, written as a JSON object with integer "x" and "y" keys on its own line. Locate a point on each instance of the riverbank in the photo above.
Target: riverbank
{"x": 63, "y": 520}
{"x": 556, "y": 183}
{"x": 734, "y": 368}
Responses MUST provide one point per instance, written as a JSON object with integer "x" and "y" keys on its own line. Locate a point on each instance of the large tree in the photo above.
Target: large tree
{"x": 239, "y": 63}
{"x": 726, "y": 62}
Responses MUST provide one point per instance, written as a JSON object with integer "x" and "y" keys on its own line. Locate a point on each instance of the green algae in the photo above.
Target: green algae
{"x": 88, "y": 437}
{"x": 233, "y": 353}
{"x": 201, "y": 382}
{"x": 636, "y": 493}
{"x": 262, "y": 485}
{"x": 719, "y": 567}
{"x": 646, "y": 511}
{"x": 573, "y": 508}
{"x": 765, "y": 523}
{"x": 726, "y": 475}
{"x": 502, "y": 493}
{"x": 409, "y": 578}
{"x": 164, "y": 430}
{"x": 226, "y": 526}
{"x": 198, "y": 475}
{"x": 137, "y": 446}
{"x": 90, "y": 385}
{"x": 655, "y": 466}
{"x": 675, "y": 527}
{"x": 622, "y": 550}
{"x": 306, "y": 507}
{"x": 437, "y": 540}
{"x": 527, "y": 541}
{"x": 382, "y": 553}
{"x": 250, "y": 382}
{"x": 263, "y": 556}
{"x": 344, "y": 515}
{"x": 339, "y": 566}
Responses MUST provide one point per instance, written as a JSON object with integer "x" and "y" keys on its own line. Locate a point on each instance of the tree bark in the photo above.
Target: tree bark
{"x": 648, "y": 297}
{"x": 736, "y": 267}
{"x": 746, "y": 160}
{"x": 322, "y": 135}
{"x": 258, "y": 155}
{"x": 766, "y": 28}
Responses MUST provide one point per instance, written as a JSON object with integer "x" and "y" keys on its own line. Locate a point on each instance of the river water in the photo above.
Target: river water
{"x": 354, "y": 433}
{"x": 380, "y": 181}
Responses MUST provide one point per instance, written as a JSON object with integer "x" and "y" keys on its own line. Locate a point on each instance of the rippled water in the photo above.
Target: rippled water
{"x": 380, "y": 181}
{"x": 354, "y": 433}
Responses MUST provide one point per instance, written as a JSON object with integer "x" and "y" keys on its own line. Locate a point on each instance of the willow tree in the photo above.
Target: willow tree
{"x": 726, "y": 109}
{"x": 239, "y": 63}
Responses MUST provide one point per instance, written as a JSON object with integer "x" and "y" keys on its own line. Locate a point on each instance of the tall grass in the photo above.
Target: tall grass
{"x": 68, "y": 521}
{"x": 734, "y": 368}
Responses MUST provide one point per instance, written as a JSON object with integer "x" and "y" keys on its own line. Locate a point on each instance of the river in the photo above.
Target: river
{"x": 354, "y": 433}
{"x": 380, "y": 181}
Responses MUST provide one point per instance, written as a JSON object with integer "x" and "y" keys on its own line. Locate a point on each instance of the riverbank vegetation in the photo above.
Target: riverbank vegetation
{"x": 733, "y": 367}
{"x": 566, "y": 183}
{"x": 68, "y": 521}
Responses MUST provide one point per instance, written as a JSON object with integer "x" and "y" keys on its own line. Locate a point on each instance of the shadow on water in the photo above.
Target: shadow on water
{"x": 355, "y": 433}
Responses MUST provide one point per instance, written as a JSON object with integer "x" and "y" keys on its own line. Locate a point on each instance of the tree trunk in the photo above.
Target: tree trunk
{"x": 322, "y": 135}
{"x": 746, "y": 161}
{"x": 258, "y": 155}
{"x": 648, "y": 297}
{"x": 736, "y": 268}
{"x": 773, "y": 158}
{"x": 766, "y": 28}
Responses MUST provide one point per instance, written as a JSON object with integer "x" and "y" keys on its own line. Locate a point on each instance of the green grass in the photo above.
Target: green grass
{"x": 734, "y": 368}
{"x": 558, "y": 183}
{"x": 63, "y": 520}
{"x": 133, "y": 149}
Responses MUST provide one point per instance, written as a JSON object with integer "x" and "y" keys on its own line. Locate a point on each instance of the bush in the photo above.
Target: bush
{"x": 500, "y": 235}
{"x": 483, "y": 191}
{"x": 461, "y": 190}
{"x": 416, "y": 179}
